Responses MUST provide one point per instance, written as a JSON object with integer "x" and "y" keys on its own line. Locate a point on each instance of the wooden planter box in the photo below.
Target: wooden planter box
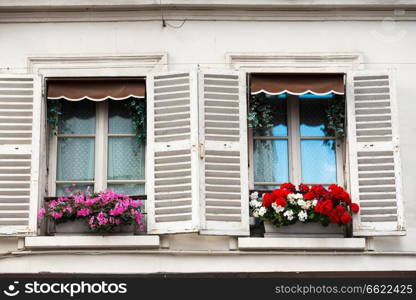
{"x": 80, "y": 227}
{"x": 304, "y": 230}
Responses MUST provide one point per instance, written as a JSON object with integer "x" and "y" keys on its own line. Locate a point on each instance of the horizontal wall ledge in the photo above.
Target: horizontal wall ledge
{"x": 281, "y": 243}
{"x": 91, "y": 241}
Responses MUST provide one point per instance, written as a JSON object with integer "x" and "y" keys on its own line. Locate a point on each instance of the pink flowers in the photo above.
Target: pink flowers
{"x": 83, "y": 212}
{"x": 104, "y": 211}
{"x": 57, "y": 215}
{"x": 41, "y": 213}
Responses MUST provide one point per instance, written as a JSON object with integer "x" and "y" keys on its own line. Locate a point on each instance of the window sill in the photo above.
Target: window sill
{"x": 353, "y": 244}
{"x": 93, "y": 241}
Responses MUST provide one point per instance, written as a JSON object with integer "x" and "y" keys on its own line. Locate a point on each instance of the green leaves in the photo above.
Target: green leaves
{"x": 336, "y": 117}
{"x": 137, "y": 111}
{"x": 260, "y": 112}
{"x": 54, "y": 110}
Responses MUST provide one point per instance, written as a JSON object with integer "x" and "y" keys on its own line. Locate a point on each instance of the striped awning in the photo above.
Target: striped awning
{"x": 95, "y": 89}
{"x": 297, "y": 83}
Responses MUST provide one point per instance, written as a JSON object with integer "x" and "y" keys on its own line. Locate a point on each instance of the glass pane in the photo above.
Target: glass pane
{"x": 318, "y": 161}
{"x": 313, "y": 117}
{"x": 125, "y": 158}
{"x": 60, "y": 188}
{"x": 128, "y": 189}
{"x": 119, "y": 120}
{"x": 75, "y": 159}
{"x": 271, "y": 161}
{"x": 77, "y": 117}
{"x": 279, "y": 117}
{"x": 266, "y": 187}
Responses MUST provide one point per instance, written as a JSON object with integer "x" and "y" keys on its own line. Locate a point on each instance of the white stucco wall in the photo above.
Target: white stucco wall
{"x": 384, "y": 45}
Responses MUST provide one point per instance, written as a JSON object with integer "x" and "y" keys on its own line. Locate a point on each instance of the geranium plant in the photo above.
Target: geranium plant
{"x": 288, "y": 205}
{"x": 103, "y": 212}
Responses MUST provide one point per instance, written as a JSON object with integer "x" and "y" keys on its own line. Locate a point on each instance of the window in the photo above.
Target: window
{"x": 96, "y": 146}
{"x": 297, "y": 148}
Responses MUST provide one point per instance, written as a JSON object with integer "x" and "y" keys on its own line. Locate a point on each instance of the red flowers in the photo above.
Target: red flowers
{"x": 309, "y": 196}
{"x": 267, "y": 200}
{"x": 288, "y": 186}
{"x": 326, "y": 207}
{"x": 288, "y": 205}
{"x": 280, "y": 202}
{"x": 346, "y": 218}
{"x": 303, "y": 188}
{"x": 354, "y": 207}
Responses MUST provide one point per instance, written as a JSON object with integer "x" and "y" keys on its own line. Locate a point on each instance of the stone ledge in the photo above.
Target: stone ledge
{"x": 90, "y": 241}
{"x": 356, "y": 244}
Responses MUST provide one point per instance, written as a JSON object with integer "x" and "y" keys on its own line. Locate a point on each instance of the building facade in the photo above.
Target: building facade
{"x": 199, "y": 161}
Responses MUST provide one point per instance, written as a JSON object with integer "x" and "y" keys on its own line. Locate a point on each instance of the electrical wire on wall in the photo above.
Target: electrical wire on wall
{"x": 166, "y": 23}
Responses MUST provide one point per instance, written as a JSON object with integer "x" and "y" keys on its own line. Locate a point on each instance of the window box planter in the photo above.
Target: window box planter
{"x": 304, "y": 230}
{"x": 80, "y": 227}
{"x": 103, "y": 213}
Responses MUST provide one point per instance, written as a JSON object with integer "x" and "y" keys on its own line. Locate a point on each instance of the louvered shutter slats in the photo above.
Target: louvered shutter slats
{"x": 223, "y": 169}
{"x": 16, "y": 109}
{"x": 172, "y": 154}
{"x": 374, "y": 150}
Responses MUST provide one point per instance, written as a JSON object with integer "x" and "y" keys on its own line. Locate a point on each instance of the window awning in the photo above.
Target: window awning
{"x": 96, "y": 89}
{"x": 297, "y": 83}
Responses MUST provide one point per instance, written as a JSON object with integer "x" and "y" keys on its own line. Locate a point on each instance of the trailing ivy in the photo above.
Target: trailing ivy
{"x": 335, "y": 113}
{"x": 54, "y": 110}
{"x": 136, "y": 108}
{"x": 260, "y": 112}
{"x": 137, "y": 111}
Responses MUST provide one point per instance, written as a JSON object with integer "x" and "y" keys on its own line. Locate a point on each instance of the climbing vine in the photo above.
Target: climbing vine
{"x": 137, "y": 111}
{"x": 54, "y": 110}
{"x": 135, "y": 106}
{"x": 261, "y": 112}
{"x": 335, "y": 113}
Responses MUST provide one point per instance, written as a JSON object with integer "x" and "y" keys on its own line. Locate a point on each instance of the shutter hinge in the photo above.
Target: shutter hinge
{"x": 24, "y": 231}
{"x": 202, "y": 150}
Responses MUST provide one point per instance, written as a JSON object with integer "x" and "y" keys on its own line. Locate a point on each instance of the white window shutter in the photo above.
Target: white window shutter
{"x": 373, "y": 145}
{"x": 224, "y": 162}
{"x": 172, "y": 153}
{"x": 16, "y": 118}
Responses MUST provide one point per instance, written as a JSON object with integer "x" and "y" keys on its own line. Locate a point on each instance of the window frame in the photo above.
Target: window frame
{"x": 294, "y": 151}
{"x": 296, "y": 62}
{"x": 101, "y": 138}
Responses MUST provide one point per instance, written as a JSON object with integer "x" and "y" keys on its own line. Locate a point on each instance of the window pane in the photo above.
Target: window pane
{"x": 77, "y": 117}
{"x": 266, "y": 187}
{"x": 279, "y": 117}
{"x": 125, "y": 158}
{"x": 60, "y": 188}
{"x": 271, "y": 161}
{"x": 313, "y": 117}
{"x": 119, "y": 120}
{"x": 75, "y": 159}
{"x": 318, "y": 161}
{"x": 128, "y": 189}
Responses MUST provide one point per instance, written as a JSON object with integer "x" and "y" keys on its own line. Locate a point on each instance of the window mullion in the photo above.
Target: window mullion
{"x": 101, "y": 146}
{"x": 53, "y": 164}
{"x": 294, "y": 139}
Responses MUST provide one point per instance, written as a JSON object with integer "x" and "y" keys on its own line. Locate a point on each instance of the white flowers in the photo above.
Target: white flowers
{"x": 262, "y": 211}
{"x": 314, "y": 202}
{"x": 254, "y": 196}
{"x": 301, "y": 203}
{"x": 255, "y": 203}
{"x": 292, "y": 198}
{"x": 302, "y": 216}
{"x": 277, "y": 208}
{"x": 288, "y": 214}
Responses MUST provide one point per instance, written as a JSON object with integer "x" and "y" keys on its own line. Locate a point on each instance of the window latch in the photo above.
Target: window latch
{"x": 202, "y": 150}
